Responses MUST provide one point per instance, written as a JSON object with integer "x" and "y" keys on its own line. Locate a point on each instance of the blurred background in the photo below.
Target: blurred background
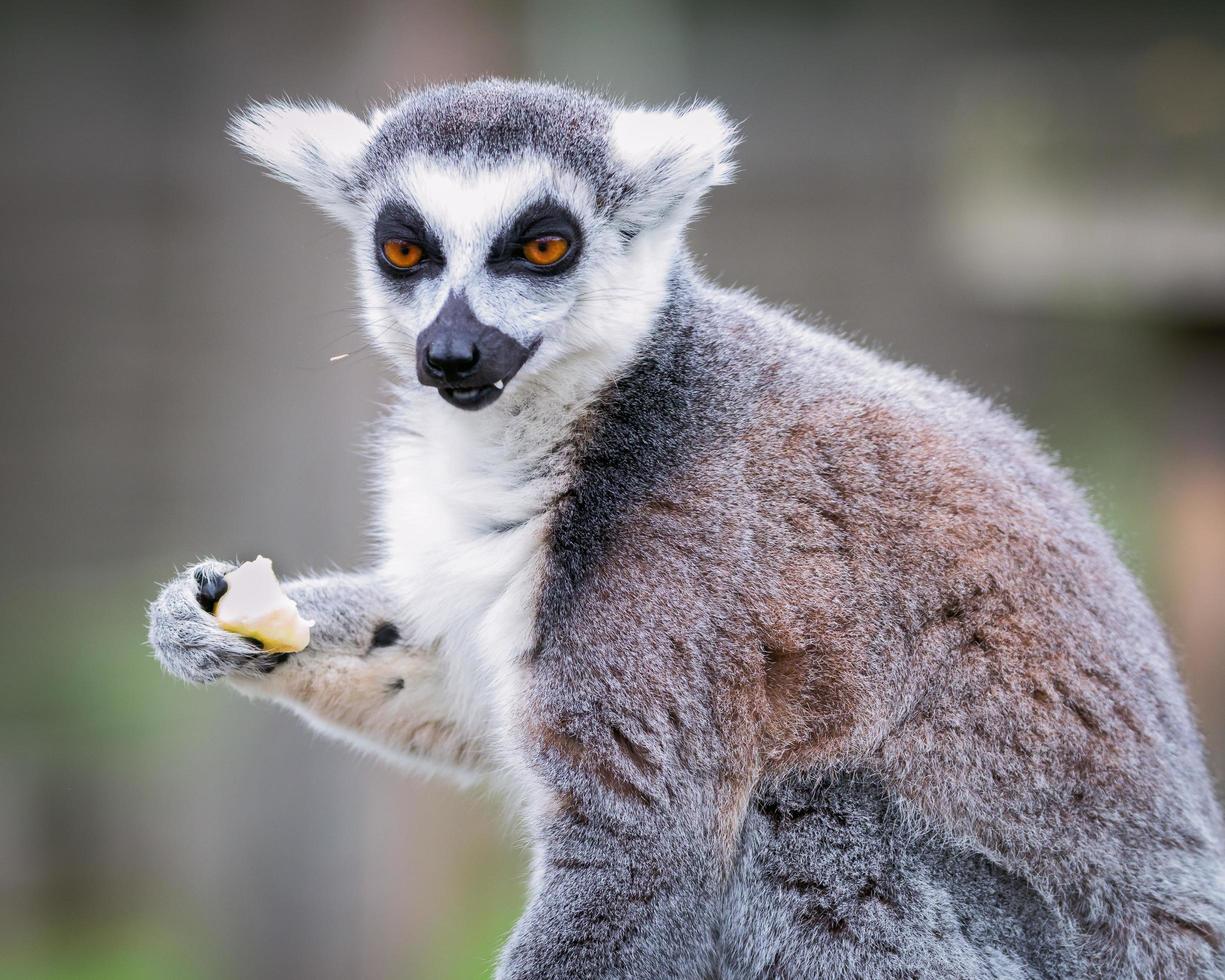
{"x": 1027, "y": 196}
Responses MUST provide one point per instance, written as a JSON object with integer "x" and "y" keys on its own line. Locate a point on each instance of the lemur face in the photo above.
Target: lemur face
{"x": 502, "y": 230}
{"x": 479, "y": 266}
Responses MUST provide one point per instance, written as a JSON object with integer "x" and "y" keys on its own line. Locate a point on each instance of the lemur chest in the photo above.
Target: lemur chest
{"x": 464, "y": 527}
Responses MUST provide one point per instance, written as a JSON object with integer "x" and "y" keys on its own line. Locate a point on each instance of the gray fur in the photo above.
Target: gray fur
{"x": 832, "y": 672}
{"x": 493, "y": 119}
{"x": 861, "y": 681}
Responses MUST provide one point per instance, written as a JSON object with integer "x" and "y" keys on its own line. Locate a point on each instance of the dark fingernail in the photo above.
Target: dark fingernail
{"x": 211, "y": 587}
{"x": 385, "y": 635}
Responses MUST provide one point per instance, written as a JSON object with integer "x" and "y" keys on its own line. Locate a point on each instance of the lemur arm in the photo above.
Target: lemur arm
{"x": 360, "y": 679}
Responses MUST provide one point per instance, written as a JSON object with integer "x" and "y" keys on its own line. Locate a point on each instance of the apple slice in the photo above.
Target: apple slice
{"x": 254, "y": 605}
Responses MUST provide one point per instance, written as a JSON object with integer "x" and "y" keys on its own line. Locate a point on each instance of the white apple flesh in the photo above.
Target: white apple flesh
{"x": 254, "y": 605}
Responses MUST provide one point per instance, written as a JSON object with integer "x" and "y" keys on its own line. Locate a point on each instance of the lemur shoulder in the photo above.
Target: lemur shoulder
{"x": 797, "y": 662}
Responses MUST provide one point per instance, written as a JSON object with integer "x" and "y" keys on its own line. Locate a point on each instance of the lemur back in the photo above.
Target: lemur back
{"x": 788, "y": 572}
{"x": 795, "y": 662}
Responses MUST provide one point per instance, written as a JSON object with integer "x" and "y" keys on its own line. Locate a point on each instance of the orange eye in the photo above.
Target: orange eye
{"x": 546, "y": 250}
{"x": 402, "y": 254}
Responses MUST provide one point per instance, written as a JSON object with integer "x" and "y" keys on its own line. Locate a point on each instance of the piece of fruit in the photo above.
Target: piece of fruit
{"x": 254, "y": 605}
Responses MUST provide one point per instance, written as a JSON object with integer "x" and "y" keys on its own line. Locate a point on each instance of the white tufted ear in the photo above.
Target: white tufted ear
{"x": 672, "y": 157}
{"x": 315, "y": 147}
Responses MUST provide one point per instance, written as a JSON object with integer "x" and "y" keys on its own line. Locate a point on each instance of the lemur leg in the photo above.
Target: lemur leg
{"x": 634, "y": 841}
{"x": 361, "y": 678}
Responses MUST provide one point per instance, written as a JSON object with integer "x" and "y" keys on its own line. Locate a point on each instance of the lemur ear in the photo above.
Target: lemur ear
{"x": 315, "y": 147}
{"x": 671, "y": 157}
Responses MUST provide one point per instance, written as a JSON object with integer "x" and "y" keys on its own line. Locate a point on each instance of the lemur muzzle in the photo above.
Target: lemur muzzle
{"x": 468, "y": 361}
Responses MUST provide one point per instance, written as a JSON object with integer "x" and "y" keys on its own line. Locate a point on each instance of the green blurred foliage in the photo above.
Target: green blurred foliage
{"x": 80, "y": 672}
{"x": 124, "y": 951}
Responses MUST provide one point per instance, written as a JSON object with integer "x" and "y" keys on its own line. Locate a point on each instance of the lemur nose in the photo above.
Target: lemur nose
{"x": 451, "y": 356}
{"x": 468, "y": 361}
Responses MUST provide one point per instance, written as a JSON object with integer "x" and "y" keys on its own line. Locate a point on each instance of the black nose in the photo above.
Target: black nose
{"x": 468, "y": 361}
{"x": 452, "y": 357}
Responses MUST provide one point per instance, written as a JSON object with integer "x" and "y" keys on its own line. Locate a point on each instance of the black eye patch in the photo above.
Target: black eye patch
{"x": 402, "y": 222}
{"x": 545, "y": 219}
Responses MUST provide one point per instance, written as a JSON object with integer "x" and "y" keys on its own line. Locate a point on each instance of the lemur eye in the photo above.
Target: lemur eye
{"x": 402, "y": 254}
{"x": 545, "y": 250}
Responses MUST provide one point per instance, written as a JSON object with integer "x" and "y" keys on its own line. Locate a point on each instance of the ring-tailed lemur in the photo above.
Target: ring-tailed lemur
{"x": 801, "y": 663}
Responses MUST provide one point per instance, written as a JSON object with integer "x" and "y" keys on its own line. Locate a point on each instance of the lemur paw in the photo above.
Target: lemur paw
{"x": 187, "y": 640}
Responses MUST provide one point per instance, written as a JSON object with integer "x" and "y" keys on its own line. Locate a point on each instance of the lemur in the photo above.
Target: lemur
{"x": 795, "y": 662}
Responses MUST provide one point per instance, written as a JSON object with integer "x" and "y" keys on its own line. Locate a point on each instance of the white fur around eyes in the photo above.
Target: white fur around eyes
{"x": 467, "y": 205}
{"x": 466, "y": 208}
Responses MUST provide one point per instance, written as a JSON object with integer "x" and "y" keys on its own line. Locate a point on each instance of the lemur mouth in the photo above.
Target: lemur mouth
{"x": 473, "y": 399}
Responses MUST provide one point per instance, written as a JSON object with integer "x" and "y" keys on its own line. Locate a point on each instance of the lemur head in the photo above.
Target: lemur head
{"x": 501, "y": 228}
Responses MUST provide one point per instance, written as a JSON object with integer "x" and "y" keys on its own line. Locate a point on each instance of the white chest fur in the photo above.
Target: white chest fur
{"x": 463, "y": 518}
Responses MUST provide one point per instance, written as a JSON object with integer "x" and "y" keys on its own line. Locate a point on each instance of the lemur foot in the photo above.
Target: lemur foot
{"x": 187, "y": 640}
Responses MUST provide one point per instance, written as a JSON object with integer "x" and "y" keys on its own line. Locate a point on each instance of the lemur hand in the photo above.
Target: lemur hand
{"x": 188, "y": 641}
